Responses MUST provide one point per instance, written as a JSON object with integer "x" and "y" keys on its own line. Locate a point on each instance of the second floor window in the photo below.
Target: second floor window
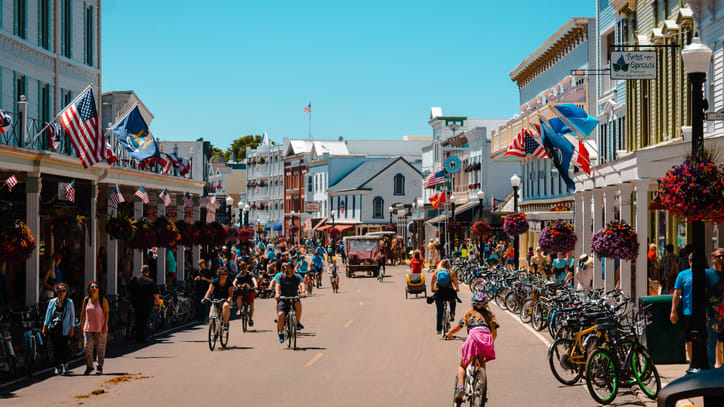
{"x": 67, "y": 29}
{"x": 378, "y": 205}
{"x": 89, "y": 35}
{"x": 399, "y": 184}
{"x": 44, "y": 24}
{"x": 21, "y": 18}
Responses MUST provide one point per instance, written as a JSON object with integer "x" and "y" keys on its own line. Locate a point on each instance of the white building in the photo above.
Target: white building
{"x": 265, "y": 185}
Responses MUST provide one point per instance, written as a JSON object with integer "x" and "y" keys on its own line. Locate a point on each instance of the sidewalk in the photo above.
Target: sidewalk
{"x": 669, "y": 373}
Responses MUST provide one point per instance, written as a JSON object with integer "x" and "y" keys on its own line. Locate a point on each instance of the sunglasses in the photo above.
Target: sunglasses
{"x": 719, "y": 256}
{"x": 60, "y": 291}
{"x": 94, "y": 287}
{"x": 223, "y": 274}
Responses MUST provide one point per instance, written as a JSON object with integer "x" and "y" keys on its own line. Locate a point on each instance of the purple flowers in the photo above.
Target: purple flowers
{"x": 515, "y": 224}
{"x": 616, "y": 240}
{"x": 557, "y": 237}
{"x": 695, "y": 189}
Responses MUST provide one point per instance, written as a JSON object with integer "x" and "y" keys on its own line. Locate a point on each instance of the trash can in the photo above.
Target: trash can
{"x": 664, "y": 340}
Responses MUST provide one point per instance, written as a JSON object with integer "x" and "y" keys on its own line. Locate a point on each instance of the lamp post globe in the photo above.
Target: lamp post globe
{"x": 697, "y": 57}
{"x": 391, "y": 208}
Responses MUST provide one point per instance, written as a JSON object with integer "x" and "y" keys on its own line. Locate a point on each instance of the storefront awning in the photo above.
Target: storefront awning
{"x": 278, "y": 226}
{"x": 323, "y": 228}
{"x": 438, "y": 219}
{"x": 319, "y": 224}
{"x": 342, "y": 228}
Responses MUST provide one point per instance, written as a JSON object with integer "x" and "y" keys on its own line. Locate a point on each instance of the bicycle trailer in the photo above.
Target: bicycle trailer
{"x": 415, "y": 284}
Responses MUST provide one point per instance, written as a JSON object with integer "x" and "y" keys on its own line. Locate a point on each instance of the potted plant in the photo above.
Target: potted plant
{"x": 557, "y": 237}
{"x": 16, "y": 242}
{"x": 121, "y": 227}
{"x": 481, "y": 229}
{"x": 186, "y": 232}
{"x": 217, "y": 233}
{"x": 695, "y": 189}
{"x": 67, "y": 227}
{"x": 616, "y": 240}
{"x": 167, "y": 234}
{"x": 515, "y": 224}
{"x": 145, "y": 236}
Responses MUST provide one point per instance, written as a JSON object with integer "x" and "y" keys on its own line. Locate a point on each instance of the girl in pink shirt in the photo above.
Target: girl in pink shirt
{"x": 94, "y": 319}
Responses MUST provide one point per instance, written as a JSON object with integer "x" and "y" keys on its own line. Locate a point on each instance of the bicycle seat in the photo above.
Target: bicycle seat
{"x": 606, "y": 324}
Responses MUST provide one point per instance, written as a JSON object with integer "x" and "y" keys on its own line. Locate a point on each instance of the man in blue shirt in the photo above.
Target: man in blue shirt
{"x": 714, "y": 295}
{"x": 683, "y": 292}
{"x": 317, "y": 265}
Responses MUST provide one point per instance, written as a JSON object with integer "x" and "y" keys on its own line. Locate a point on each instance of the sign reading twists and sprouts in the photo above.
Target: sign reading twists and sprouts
{"x": 633, "y": 65}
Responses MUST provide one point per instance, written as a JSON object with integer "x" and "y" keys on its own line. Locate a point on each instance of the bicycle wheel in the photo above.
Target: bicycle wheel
{"x": 212, "y": 334}
{"x": 538, "y": 317}
{"x": 526, "y": 311}
{"x": 511, "y": 302}
{"x": 601, "y": 376}
{"x": 445, "y": 322}
{"x": 559, "y": 359}
{"x": 455, "y": 390}
{"x": 645, "y": 372}
{"x": 29, "y": 356}
{"x": 290, "y": 327}
{"x": 479, "y": 392}
{"x": 244, "y": 317}
{"x": 224, "y": 337}
{"x": 500, "y": 297}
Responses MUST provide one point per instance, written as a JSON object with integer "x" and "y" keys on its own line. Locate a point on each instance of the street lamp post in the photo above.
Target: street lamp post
{"x": 391, "y": 208}
{"x": 515, "y": 182}
{"x": 696, "y": 58}
{"x": 240, "y": 207}
{"x": 481, "y": 199}
{"x": 292, "y": 216}
{"x": 230, "y": 205}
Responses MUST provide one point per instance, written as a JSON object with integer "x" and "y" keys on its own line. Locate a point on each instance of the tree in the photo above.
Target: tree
{"x": 239, "y": 146}
{"x": 215, "y": 151}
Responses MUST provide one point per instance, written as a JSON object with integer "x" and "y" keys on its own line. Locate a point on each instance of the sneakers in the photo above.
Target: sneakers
{"x": 99, "y": 371}
{"x": 459, "y": 394}
{"x": 88, "y": 369}
{"x": 238, "y": 312}
{"x": 56, "y": 371}
{"x": 225, "y": 327}
{"x": 299, "y": 326}
{"x": 251, "y": 322}
{"x": 64, "y": 370}
{"x": 281, "y": 337}
{"x": 452, "y": 317}
{"x": 439, "y": 332}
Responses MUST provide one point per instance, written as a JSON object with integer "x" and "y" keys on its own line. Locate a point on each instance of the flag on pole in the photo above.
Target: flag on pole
{"x": 560, "y": 151}
{"x": 165, "y": 197}
{"x": 11, "y": 182}
{"x": 111, "y": 157}
{"x": 53, "y": 136}
{"x": 142, "y": 194}
{"x": 524, "y": 144}
{"x": 70, "y": 191}
{"x": 80, "y": 122}
{"x": 435, "y": 178}
{"x": 308, "y": 108}
{"x": 116, "y": 196}
{"x": 578, "y": 121}
{"x": 188, "y": 201}
{"x": 6, "y": 121}
{"x": 133, "y": 134}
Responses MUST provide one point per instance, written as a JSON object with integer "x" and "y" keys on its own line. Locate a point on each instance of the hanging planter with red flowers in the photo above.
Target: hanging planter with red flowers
{"x": 167, "y": 234}
{"x": 617, "y": 240}
{"x": 333, "y": 231}
{"x": 218, "y": 233}
{"x": 121, "y": 227}
{"x": 245, "y": 234}
{"x": 67, "y": 227}
{"x": 481, "y": 229}
{"x": 515, "y": 224}
{"x": 145, "y": 236}
{"x": 16, "y": 242}
{"x": 186, "y": 232}
{"x": 695, "y": 189}
{"x": 557, "y": 237}
{"x": 232, "y": 234}
{"x": 202, "y": 233}
{"x": 293, "y": 229}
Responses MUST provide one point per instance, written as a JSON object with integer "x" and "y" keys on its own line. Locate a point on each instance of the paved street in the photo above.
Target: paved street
{"x": 366, "y": 346}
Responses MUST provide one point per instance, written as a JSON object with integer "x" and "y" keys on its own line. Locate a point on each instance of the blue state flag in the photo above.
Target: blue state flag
{"x": 559, "y": 150}
{"x": 132, "y": 132}
{"x": 577, "y": 120}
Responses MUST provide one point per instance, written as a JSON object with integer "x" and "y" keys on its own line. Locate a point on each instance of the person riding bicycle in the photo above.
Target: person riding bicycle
{"x": 320, "y": 251}
{"x": 333, "y": 272}
{"x": 482, "y": 331}
{"x": 317, "y": 265}
{"x": 302, "y": 267}
{"x": 245, "y": 278}
{"x": 444, "y": 287}
{"x": 221, "y": 287}
{"x": 289, "y": 284}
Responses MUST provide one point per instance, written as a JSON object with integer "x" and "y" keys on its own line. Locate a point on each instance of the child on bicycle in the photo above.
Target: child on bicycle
{"x": 479, "y": 345}
{"x": 333, "y": 272}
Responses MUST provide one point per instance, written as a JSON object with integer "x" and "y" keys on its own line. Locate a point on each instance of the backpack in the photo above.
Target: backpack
{"x": 443, "y": 278}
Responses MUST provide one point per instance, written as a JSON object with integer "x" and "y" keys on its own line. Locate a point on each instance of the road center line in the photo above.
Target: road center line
{"x": 348, "y": 324}
{"x": 537, "y": 334}
{"x": 314, "y": 360}
{"x": 361, "y": 303}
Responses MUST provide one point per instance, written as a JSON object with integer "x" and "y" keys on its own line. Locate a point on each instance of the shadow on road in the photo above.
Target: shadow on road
{"x": 305, "y": 348}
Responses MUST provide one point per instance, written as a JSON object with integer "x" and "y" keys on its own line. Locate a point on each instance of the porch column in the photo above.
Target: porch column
{"x": 112, "y": 256}
{"x": 196, "y": 250}
{"x": 625, "y": 191}
{"x": 161, "y": 253}
{"x": 180, "y": 250}
{"x": 586, "y": 233}
{"x": 33, "y": 186}
{"x": 642, "y": 222}
{"x": 137, "y": 255}
{"x": 578, "y": 224}
{"x": 597, "y": 225}
{"x": 91, "y": 244}
{"x": 610, "y": 271}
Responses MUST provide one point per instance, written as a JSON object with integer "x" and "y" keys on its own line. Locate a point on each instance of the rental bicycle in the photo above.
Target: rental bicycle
{"x": 35, "y": 350}
{"x": 290, "y": 323}
{"x": 216, "y": 329}
{"x": 335, "y": 284}
{"x": 476, "y": 385}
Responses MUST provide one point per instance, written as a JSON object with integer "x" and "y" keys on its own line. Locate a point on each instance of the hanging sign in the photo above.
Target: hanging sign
{"x": 629, "y": 65}
{"x": 453, "y": 164}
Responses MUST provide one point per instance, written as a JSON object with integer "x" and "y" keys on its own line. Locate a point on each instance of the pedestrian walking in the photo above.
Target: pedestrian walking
{"x": 143, "y": 296}
{"x": 202, "y": 278}
{"x": 669, "y": 269}
{"x": 94, "y": 320}
{"x": 584, "y": 273}
{"x": 652, "y": 266}
{"x": 560, "y": 266}
{"x": 59, "y": 320}
{"x": 715, "y": 296}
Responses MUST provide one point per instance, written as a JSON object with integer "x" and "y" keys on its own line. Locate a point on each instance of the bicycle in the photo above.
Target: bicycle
{"x": 33, "y": 344}
{"x": 568, "y": 356}
{"x": 309, "y": 282}
{"x": 318, "y": 276}
{"x": 216, "y": 330}
{"x": 445, "y": 320}
{"x": 8, "y": 360}
{"x": 476, "y": 385}
{"x": 290, "y": 323}
{"x": 335, "y": 284}
{"x": 245, "y": 317}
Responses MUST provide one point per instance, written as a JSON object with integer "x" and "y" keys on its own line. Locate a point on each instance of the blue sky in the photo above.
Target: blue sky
{"x": 223, "y": 69}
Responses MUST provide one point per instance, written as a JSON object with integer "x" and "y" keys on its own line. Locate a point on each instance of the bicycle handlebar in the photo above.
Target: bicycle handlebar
{"x": 289, "y": 298}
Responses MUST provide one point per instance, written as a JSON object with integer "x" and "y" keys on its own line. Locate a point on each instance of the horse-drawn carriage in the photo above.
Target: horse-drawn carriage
{"x": 363, "y": 255}
{"x": 391, "y": 245}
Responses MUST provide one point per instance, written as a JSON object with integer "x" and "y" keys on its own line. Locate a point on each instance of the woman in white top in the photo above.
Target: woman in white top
{"x": 584, "y": 273}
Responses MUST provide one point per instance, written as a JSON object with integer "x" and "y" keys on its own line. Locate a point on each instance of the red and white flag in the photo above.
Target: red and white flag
{"x": 308, "y": 108}
{"x": 53, "y": 136}
{"x": 80, "y": 121}
{"x": 70, "y": 191}
{"x": 11, "y": 182}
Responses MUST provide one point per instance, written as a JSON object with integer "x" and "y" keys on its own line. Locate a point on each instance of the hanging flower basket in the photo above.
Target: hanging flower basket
{"x": 68, "y": 227}
{"x": 121, "y": 227}
{"x": 245, "y": 234}
{"x": 454, "y": 226}
{"x": 167, "y": 234}
{"x": 515, "y": 224}
{"x": 16, "y": 242}
{"x": 695, "y": 189}
{"x": 616, "y": 240}
{"x": 557, "y": 237}
{"x": 293, "y": 229}
{"x": 232, "y": 234}
{"x": 481, "y": 229}
{"x": 202, "y": 233}
{"x": 333, "y": 231}
{"x": 186, "y": 233}
{"x": 218, "y": 233}
{"x": 145, "y": 236}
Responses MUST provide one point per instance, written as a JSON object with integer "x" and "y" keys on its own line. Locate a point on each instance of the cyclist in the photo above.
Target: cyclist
{"x": 244, "y": 277}
{"x": 220, "y": 288}
{"x": 289, "y": 284}
{"x": 482, "y": 331}
{"x": 320, "y": 250}
{"x": 444, "y": 287}
{"x": 302, "y": 267}
{"x": 317, "y": 265}
{"x": 333, "y": 272}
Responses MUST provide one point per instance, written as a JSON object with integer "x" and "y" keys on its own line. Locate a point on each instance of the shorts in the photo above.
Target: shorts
{"x": 249, "y": 297}
{"x": 686, "y": 324}
{"x": 511, "y": 260}
{"x": 285, "y": 305}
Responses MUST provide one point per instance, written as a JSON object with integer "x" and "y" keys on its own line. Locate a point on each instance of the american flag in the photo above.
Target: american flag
{"x": 116, "y": 196}
{"x": 188, "y": 201}
{"x": 80, "y": 121}
{"x": 524, "y": 144}
{"x": 142, "y": 194}
{"x": 308, "y": 108}
{"x": 53, "y": 136}
{"x": 165, "y": 197}
{"x": 70, "y": 191}
{"x": 165, "y": 161}
{"x": 6, "y": 121}
{"x": 11, "y": 182}
{"x": 435, "y": 178}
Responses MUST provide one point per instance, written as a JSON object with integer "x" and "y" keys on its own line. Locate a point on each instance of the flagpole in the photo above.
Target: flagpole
{"x": 59, "y": 113}
{"x": 310, "y": 119}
